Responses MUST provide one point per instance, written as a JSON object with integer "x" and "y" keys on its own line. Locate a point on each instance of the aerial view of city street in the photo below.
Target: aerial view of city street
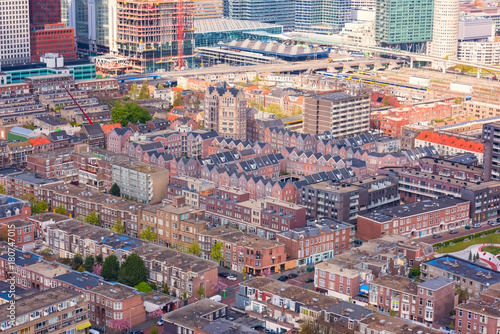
{"x": 249, "y": 166}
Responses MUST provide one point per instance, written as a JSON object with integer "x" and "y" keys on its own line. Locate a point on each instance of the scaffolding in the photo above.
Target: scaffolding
{"x": 156, "y": 34}
{"x": 110, "y": 64}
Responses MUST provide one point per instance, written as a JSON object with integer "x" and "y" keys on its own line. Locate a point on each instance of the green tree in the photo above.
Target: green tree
{"x": 275, "y": 109}
{"x": 92, "y": 218}
{"x": 195, "y": 248}
{"x": 110, "y": 268}
{"x": 195, "y": 101}
{"x": 29, "y": 126}
{"x": 463, "y": 294}
{"x": 60, "y": 209}
{"x": 132, "y": 271}
{"x": 143, "y": 287}
{"x": 154, "y": 330}
{"x": 37, "y": 206}
{"x": 177, "y": 99}
{"x": 201, "y": 291}
{"x": 129, "y": 112}
{"x": 134, "y": 92}
{"x": 119, "y": 227}
{"x": 81, "y": 269}
{"x": 160, "y": 86}
{"x": 89, "y": 263}
{"x": 98, "y": 259}
{"x": 77, "y": 261}
{"x": 217, "y": 252}
{"x": 2, "y": 190}
{"x": 166, "y": 289}
{"x": 144, "y": 93}
{"x": 148, "y": 234}
{"x": 415, "y": 272}
{"x": 115, "y": 190}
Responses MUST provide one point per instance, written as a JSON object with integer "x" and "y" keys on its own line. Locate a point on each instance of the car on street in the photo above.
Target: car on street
{"x": 137, "y": 332}
{"x": 476, "y": 225}
{"x": 232, "y": 278}
{"x": 160, "y": 322}
{"x": 292, "y": 275}
{"x": 309, "y": 280}
{"x": 437, "y": 236}
{"x": 223, "y": 275}
{"x": 493, "y": 223}
{"x": 283, "y": 278}
{"x": 453, "y": 232}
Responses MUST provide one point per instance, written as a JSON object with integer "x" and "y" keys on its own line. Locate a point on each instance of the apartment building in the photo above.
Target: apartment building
{"x": 484, "y": 200}
{"x": 140, "y": 181}
{"x": 340, "y": 281}
{"x": 59, "y": 310}
{"x": 249, "y": 253}
{"x": 21, "y": 233}
{"x": 343, "y": 114}
{"x": 264, "y": 217}
{"x": 15, "y": 17}
{"x": 475, "y": 316}
{"x": 425, "y": 302}
{"x": 450, "y": 145}
{"x": 194, "y": 317}
{"x": 176, "y": 225}
{"x": 17, "y": 182}
{"x": 480, "y": 109}
{"x": 226, "y": 111}
{"x": 467, "y": 275}
{"x": 320, "y": 239}
{"x": 491, "y": 141}
{"x": 416, "y": 219}
{"x": 189, "y": 187}
{"x": 41, "y": 222}
{"x": 345, "y": 201}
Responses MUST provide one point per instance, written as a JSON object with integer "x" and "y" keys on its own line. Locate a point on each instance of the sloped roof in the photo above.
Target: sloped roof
{"x": 451, "y": 141}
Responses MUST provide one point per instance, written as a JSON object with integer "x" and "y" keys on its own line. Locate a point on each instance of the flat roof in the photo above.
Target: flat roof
{"x": 49, "y": 269}
{"x": 466, "y": 269}
{"x": 191, "y": 316}
{"x": 114, "y": 291}
{"x": 382, "y": 323}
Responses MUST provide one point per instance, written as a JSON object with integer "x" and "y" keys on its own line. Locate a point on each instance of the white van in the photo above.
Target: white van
{"x": 93, "y": 331}
{"x": 216, "y": 298}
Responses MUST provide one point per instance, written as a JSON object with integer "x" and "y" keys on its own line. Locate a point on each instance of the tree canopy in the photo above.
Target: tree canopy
{"x": 37, "y": 206}
{"x": 195, "y": 248}
{"x": 119, "y": 227}
{"x": 110, "y": 268}
{"x": 89, "y": 263}
{"x": 92, "y": 218}
{"x": 143, "y": 287}
{"x": 177, "y": 99}
{"x": 60, "y": 209}
{"x": 115, "y": 190}
{"x": 129, "y": 112}
{"x": 148, "y": 234}
{"x": 77, "y": 261}
{"x": 132, "y": 271}
{"x": 144, "y": 92}
{"x": 217, "y": 252}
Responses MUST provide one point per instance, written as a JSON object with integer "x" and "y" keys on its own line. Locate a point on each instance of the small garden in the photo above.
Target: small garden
{"x": 495, "y": 250}
{"x": 461, "y": 243}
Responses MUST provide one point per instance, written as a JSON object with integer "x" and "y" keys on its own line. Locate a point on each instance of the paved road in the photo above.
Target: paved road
{"x": 461, "y": 232}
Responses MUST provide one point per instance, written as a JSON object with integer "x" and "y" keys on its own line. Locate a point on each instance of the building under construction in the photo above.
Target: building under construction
{"x": 153, "y": 34}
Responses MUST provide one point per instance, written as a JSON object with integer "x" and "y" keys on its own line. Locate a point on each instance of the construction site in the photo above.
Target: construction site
{"x": 150, "y": 36}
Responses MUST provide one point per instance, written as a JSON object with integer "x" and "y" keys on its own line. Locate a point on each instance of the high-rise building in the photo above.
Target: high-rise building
{"x": 208, "y": 9}
{"x": 404, "y": 23}
{"x": 280, "y": 12}
{"x": 98, "y": 13}
{"x": 363, "y": 4}
{"x": 342, "y": 113}
{"x": 153, "y": 34}
{"x": 15, "y": 32}
{"x": 226, "y": 111}
{"x": 52, "y": 38}
{"x": 491, "y": 141}
{"x": 45, "y": 12}
{"x": 445, "y": 29}
{"x": 322, "y": 16}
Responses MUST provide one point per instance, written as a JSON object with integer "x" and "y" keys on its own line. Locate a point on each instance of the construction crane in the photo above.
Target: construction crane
{"x": 81, "y": 109}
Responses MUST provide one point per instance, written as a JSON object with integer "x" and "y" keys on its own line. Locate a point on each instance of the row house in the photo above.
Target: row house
{"x": 346, "y": 201}
{"x": 328, "y": 144}
{"x": 268, "y": 166}
{"x": 93, "y": 135}
{"x": 21, "y": 233}
{"x": 185, "y": 167}
{"x": 416, "y": 219}
{"x": 450, "y": 145}
{"x": 259, "y": 148}
{"x": 58, "y": 164}
{"x": 18, "y": 183}
{"x": 258, "y": 122}
{"x": 198, "y": 142}
{"x": 476, "y": 316}
{"x": 158, "y": 124}
{"x": 137, "y": 149}
{"x": 41, "y": 144}
{"x": 380, "y": 323}
{"x": 245, "y": 253}
{"x": 264, "y": 217}
{"x": 172, "y": 143}
{"x": 425, "y": 302}
{"x": 109, "y": 85}
{"x": 12, "y": 208}
{"x": 154, "y": 158}
{"x": 308, "y": 162}
{"x": 189, "y": 187}
{"x": 118, "y": 140}
{"x": 280, "y": 138}
{"x": 61, "y": 139}
{"x": 451, "y": 169}
{"x": 79, "y": 202}
{"x": 42, "y": 220}
{"x": 176, "y": 225}
{"x": 290, "y": 304}
{"x": 222, "y": 158}
{"x": 319, "y": 240}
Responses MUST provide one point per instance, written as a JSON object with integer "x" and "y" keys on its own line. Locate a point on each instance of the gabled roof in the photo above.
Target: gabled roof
{"x": 39, "y": 141}
{"x": 108, "y": 127}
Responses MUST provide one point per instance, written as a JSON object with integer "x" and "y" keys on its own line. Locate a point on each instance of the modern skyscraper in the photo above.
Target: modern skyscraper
{"x": 45, "y": 12}
{"x": 208, "y": 9}
{"x": 98, "y": 13}
{"x": 322, "y": 16}
{"x": 280, "y": 12}
{"x": 15, "y": 32}
{"x": 342, "y": 113}
{"x": 406, "y": 24}
{"x": 153, "y": 34}
{"x": 226, "y": 111}
{"x": 445, "y": 29}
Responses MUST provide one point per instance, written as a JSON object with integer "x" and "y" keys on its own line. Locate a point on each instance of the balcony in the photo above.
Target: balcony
{"x": 384, "y": 201}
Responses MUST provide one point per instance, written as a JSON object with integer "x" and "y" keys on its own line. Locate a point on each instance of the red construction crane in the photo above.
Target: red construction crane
{"x": 81, "y": 109}
{"x": 180, "y": 34}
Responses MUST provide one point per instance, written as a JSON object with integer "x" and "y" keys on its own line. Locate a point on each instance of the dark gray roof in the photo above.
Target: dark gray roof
{"x": 93, "y": 129}
{"x": 51, "y": 120}
{"x": 80, "y": 280}
{"x": 22, "y": 259}
{"x": 436, "y": 283}
{"x": 346, "y": 309}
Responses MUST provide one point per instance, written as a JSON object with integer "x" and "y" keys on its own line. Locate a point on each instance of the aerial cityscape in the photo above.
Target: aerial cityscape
{"x": 249, "y": 166}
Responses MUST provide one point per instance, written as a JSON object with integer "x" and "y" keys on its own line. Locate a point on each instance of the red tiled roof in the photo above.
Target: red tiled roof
{"x": 108, "y": 127}
{"x": 39, "y": 141}
{"x": 173, "y": 117}
{"x": 451, "y": 141}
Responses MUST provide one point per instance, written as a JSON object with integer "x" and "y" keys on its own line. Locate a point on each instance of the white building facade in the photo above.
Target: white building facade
{"x": 15, "y": 32}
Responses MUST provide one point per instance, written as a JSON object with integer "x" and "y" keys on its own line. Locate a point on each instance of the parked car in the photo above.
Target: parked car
{"x": 437, "y": 236}
{"x": 137, "y": 332}
{"x": 493, "y": 223}
{"x": 283, "y": 278}
{"x": 160, "y": 322}
{"x": 292, "y": 275}
{"x": 232, "y": 278}
{"x": 223, "y": 275}
{"x": 309, "y": 280}
{"x": 453, "y": 232}
{"x": 498, "y": 220}
{"x": 476, "y": 225}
